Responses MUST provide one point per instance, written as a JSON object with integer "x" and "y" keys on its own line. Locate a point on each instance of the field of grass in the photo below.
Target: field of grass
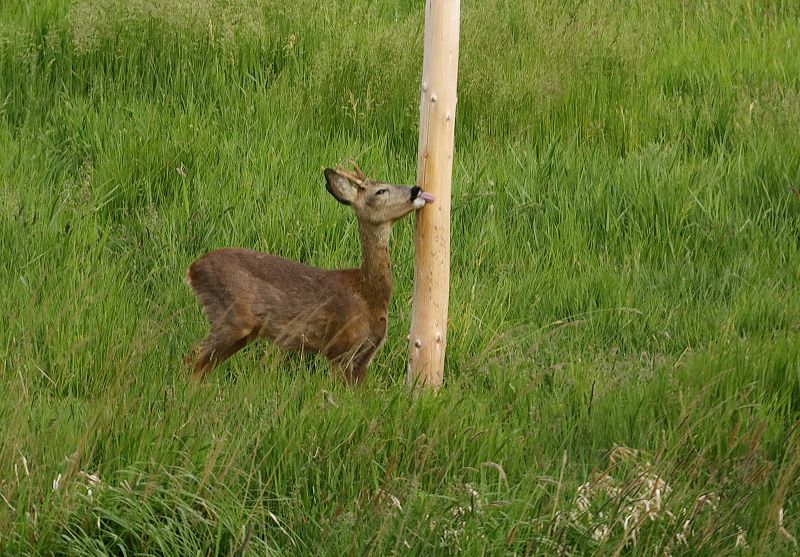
{"x": 623, "y": 369}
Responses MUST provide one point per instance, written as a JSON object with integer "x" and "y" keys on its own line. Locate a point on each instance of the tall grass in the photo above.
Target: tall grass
{"x": 623, "y": 372}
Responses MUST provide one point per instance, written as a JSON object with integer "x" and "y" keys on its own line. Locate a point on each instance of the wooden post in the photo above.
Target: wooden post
{"x": 437, "y": 112}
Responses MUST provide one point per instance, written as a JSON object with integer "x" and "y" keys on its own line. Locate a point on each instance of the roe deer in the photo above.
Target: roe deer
{"x": 342, "y": 314}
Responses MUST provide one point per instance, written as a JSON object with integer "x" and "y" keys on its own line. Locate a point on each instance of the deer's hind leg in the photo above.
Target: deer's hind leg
{"x": 235, "y": 330}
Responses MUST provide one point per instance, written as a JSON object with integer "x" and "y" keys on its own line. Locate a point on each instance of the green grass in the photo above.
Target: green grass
{"x": 625, "y": 261}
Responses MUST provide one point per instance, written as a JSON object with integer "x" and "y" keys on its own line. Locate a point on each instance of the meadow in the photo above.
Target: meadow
{"x": 623, "y": 367}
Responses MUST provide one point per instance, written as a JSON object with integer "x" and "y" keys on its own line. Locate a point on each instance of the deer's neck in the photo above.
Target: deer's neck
{"x": 376, "y": 267}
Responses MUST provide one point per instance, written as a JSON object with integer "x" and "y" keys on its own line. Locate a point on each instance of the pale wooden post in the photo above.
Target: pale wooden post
{"x": 437, "y": 111}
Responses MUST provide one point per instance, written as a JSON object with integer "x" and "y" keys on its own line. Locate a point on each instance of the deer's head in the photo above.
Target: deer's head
{"x": 374, "y": 202}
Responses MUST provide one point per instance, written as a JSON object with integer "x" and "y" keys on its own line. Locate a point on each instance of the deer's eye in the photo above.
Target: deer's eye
{"x": 382, "y": 191}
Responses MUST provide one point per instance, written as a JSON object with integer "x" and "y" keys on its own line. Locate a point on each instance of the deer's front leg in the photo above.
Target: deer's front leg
{"x": 352, "y": 357}
{"x": 352, "y": 369}
{"x": 348, "y": 372}
{"x": 358, "y": 368}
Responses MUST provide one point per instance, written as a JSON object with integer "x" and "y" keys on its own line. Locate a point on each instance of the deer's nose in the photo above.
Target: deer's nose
{"x": 414, "y": 192}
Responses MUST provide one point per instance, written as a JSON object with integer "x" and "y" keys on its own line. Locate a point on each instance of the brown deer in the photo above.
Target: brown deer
{"x": 341, "y": 314}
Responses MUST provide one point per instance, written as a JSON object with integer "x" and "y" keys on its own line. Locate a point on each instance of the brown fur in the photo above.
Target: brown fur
{"x": 341, "y": 314}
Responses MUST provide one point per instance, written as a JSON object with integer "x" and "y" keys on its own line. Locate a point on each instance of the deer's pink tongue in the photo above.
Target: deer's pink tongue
{"x": 427, "y": 197}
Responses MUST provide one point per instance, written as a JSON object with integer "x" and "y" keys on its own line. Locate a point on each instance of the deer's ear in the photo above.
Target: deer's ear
{"x": 340, "y": 187}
